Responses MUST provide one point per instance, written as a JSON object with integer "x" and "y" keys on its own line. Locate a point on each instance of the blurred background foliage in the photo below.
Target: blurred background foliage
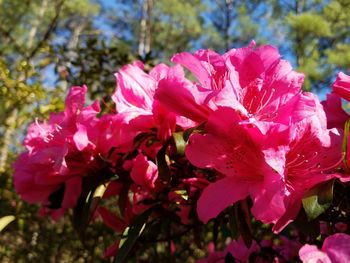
{"x": 46, "y": 46}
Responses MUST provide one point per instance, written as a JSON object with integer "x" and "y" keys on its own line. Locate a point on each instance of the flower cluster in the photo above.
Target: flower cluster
{"x": 237, "y": 132}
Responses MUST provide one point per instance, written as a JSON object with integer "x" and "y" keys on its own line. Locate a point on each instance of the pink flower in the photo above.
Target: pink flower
{"x": 134, "y": 97}
{"x": 144, "y": 173}
{"x": 276, "y": 167}
{"x": 61, "y": 152}
{"x": 341, "y": 86}
{"x": 234, "y": 148}
{"x": 336, "y": 116}
{"x": 310, "y": 158}
{"x": 333, "y": 106}
{"x": 335, "y": 249}
{"x": 255, "y": 82}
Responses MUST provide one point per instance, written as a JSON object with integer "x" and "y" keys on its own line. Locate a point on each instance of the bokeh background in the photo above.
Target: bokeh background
{"x": 47, "y": 46}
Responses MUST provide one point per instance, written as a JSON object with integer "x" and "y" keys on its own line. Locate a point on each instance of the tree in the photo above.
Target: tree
{"x": 232, "y": 23}
{"x": 316, "y": 32}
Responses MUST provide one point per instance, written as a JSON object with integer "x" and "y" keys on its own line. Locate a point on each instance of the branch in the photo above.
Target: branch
{"x": 49, "y": 30}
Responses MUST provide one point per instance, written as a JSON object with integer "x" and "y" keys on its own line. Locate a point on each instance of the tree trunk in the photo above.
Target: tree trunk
{"x": 145, "y": 28}
{"x": 10, "y": 125}
{"x": 36, "y": 23}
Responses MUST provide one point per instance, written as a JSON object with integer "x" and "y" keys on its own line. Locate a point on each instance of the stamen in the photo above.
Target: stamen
{"x": 268, "y": 100}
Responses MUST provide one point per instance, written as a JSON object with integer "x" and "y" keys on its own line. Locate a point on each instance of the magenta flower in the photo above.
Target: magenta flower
{"x": 311, "y": 157}
{"x": 276, "y": 168}
{"x": 63, "y": 151}
{"x": 144, "y": 173}
{"x": 336, "y": 116}
{"x": 134, "y": 98}
{"x": 234, "y": 149}
{"x": 341, "y": 86}
{"x": 255, "y": 82}
{"x": 335, "y": 249}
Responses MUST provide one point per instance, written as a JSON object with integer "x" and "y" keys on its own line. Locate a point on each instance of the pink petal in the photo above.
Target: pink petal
{"x": 111, "y": 220}
{"x": 80, "y": 137}
{"x": 195, "y": 66}
{"x": 299, "y": 107}
{"x": 336, "y": 116}
{"x": 72, "y": 192}
{"x": 292, "y": 209}
{"x": 179, "y": 97}
{"x": 75, "y": 99}
{"x": 311, "y": 254}
{"x": 270, "y": 195}
{"x": 219, "y": 195}
{"x": 341, "y": 86}
{"x": 135, "y": 89}
{"x": 144, "y": 172}
{"x": 229, "y": 146}
{"x": 337, "y": 248}
{"x": 161, "y": 71}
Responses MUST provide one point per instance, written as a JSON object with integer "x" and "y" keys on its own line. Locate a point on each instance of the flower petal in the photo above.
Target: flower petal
{"x": 219, "y": 195}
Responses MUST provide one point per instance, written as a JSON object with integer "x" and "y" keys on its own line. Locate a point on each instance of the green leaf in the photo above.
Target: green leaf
{"x": 86, "y": 207}
{"x": 180, "y": 142}
{"x": 163, "y": 168}
{"x": 232, "y": 223}
{"x": 182, "y": 193}
{"x": 318, "y": 200}
{"x": 345, "y": 141}
{"x": 243, "y": 222}
{"x": 133, "y": 232}
{"x": 4, "y": 221}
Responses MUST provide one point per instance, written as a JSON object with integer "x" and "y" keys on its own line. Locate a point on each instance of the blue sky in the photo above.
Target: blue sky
{"x": 104, "y": 24}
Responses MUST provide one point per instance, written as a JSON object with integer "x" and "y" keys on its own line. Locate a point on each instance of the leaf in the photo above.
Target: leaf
{"x": 96, "y": 198}
{"x": 86, "y": 207}
{"x": 163, "y": 168}
{"x": 182, "y": 193}
{"x": 198, "y": 129}
{"x": 180, "y": 142}
{"x": 346, "y": 142}
{"x": 318, "y": 200}
{"x": 243, "y": 222}
{"x": 133, "y": 232}
{"x": 306, "y": 227}
{"x": 232, "y": 222}
{"x": 123, "y": 198}
{"x": 4, "y": 221}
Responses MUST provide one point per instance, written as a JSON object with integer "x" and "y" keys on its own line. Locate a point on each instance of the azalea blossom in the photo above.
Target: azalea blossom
{"x": 288, "y": 161}
{"x": 336, "y": 116}
{"x": 335, "y": 249}
{"x": 63, "y": 151}
{"x": 134, "y": 97}
{"x": 256, "y": 82}
{"x": 341, "y": 86}
{"x": 231, "y": 146}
